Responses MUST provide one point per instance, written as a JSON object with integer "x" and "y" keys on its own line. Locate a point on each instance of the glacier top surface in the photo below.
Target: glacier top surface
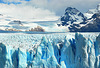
{"x": 29, "y": 41}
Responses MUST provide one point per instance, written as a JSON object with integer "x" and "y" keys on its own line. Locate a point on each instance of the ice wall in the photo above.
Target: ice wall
{"x": 78, "y": 52}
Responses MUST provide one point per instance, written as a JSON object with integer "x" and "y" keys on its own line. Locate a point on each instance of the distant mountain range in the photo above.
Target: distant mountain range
{"x": 76, "y": 21}
{"x": 11, "y": 24}
{"x": 72, "y": 21}
{"x": 8, "y": 23}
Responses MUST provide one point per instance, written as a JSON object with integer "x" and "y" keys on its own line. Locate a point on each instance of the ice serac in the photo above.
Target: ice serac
{"x": 10, "y": 58}
{"x": 6, "y": 56}
{"x": 57, "y": 50}
{"x": 81, "y": 58}
{"x": 66, "y": 53}
{"x": 71, "y": 52}
{"x": 63, "y": 64}
{"x": 45, "y": 55}
{"x": 97, "y": 46}
{"x": 30, "y": 56}
{"x": 2, "y": 55}
{"x": 91, "y": 53}
{"x": 85, "y": 52}
{"x": 97, "y": 51}
{"x": 22, "y": 58}
{"x": 52, "y": 62}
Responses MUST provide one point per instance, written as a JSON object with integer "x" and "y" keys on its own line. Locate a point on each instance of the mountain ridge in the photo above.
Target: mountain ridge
{"x": 86, "y": 23}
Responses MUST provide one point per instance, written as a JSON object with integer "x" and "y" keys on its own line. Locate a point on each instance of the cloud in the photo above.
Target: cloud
{"x": 26, "y": 12}
{"x": 45, "y": 8}
{"x": 58, "y": 6}
{"x": 11, "y": 0}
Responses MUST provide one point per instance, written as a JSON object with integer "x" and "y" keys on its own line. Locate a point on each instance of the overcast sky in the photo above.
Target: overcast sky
{"x": 43, "y": 8}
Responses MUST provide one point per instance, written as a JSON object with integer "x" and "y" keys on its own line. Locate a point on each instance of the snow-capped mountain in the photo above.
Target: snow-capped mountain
{"x": 90, "y": 12}
{"x": 71, "y": 16}
{"x": 72, "y": 20}
{"x": 87, "y": 22}
{"x": 92, "y": 25}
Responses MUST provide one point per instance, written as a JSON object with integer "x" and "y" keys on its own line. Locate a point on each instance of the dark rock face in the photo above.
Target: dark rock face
{"x": 93, "y": 26}
{"x": 97, "y": 16}
{"x": 75, "y": 21}
{"x": 71, "y": 15}
{"x": 16, "y": 22}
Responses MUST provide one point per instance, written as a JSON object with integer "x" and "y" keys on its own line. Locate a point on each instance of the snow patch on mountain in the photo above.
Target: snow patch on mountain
{"x": 71, "y": 15}
{"x": 90, "y": 12}
{"x": 75, "y": 21}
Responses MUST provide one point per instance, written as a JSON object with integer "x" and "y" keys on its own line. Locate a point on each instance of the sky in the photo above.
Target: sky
{"x": 43, "y": 9}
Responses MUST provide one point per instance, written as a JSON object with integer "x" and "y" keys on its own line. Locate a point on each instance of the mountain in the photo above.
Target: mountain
{"x": 71, "y": 16}
{"x": 87, "y": 22}
{"x": 90, "y": 12}
{"x": 72, "y": 21}
{"x": 93, "y": 25}
{"x": 8, "y": 23}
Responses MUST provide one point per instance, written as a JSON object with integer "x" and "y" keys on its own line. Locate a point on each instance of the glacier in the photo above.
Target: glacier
{"x": 63, "y": 50}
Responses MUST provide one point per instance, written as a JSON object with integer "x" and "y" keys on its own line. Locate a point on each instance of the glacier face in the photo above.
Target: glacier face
{"x": 69, "y": 50}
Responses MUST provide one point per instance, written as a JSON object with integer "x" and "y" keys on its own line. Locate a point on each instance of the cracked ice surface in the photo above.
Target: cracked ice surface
{"x": 28, "y": 41}
{"x": 62, "y": 50}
